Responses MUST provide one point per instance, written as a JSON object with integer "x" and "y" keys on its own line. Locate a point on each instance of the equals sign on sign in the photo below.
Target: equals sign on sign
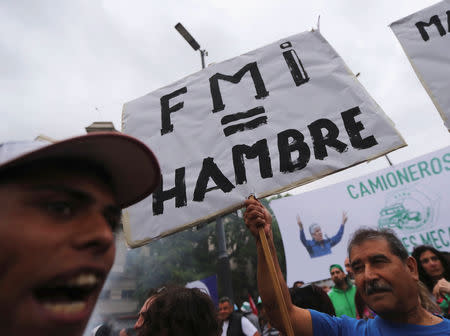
{"x": 243, "y": 126}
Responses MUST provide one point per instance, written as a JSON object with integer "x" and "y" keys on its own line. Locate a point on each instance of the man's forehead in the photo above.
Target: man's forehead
{"x": 79, "y": 184}
{"x": 57, "y": 166}
{"x": 59, "y": 171}
{"x": 369, "y": 248}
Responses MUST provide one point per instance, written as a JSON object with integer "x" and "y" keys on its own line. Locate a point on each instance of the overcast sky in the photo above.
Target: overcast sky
{"x": 65, "y": 64}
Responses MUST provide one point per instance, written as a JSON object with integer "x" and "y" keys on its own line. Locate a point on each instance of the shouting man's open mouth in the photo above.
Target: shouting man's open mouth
{"x": 69, "y": 297}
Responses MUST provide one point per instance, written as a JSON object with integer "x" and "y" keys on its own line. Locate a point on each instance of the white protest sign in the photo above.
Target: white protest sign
{"x": 261, "y": 123}
{"x": 411, "y": 198}
{"x": 425, "y": 38}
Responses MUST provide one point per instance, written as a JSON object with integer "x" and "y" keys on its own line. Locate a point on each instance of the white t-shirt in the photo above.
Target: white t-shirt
{"x": 247, "y": 327}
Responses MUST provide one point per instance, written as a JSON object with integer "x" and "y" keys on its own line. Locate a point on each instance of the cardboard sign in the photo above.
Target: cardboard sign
{"x": 260, "y": 123}
{"x": 410, "y": 198}
{"x": 425, "y": 38}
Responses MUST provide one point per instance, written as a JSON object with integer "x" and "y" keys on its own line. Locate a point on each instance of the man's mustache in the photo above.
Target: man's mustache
{"x": 377, "y": 287}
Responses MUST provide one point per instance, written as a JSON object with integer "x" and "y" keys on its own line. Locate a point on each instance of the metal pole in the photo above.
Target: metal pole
{"x": 388, "y": 160}
{"x": 223, "y": 263}
{"x": 202, "y": 55}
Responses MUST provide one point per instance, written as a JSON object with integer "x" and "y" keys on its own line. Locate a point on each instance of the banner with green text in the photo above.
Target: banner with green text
{"x": 411, "y": 198}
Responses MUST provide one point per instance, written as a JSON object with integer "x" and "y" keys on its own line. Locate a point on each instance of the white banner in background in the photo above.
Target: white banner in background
{"x": 425, "y": 38}
{"x": 260, "y": 123}
{"x": 411, "y": 198}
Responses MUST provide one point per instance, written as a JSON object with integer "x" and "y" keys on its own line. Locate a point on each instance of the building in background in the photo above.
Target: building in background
{"x": 116, "y": 303}
{"x": 101, "y": 126}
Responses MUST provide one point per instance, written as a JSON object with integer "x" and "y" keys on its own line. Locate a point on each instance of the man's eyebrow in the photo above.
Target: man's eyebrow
{"x": 355, "y": 262}
{"x": 371, "y": 258}
{"x": 378, "y": 256}
{"x": 72, "y": 192}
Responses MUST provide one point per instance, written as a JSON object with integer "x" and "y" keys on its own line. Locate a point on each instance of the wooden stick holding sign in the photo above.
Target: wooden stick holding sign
{"x": 275, "y": 281}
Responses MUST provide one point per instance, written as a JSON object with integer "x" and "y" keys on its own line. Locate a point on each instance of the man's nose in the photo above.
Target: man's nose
{"x": 369, "y": 273}
{"x": 94, "y": 234}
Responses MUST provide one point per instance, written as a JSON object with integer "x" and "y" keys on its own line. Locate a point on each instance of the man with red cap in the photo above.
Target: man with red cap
{"x": 60, "y": 205}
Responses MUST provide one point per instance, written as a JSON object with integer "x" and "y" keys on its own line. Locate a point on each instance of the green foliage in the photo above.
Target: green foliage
{"x": 192, "y": 255}
{"x": 177, "y": 259}
{"x": 242, "y": 252}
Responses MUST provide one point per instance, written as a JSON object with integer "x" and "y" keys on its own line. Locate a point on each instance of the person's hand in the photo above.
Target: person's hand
{"x": 344, "y": 217}
{"x": 441, "y": 288}
{"x": 257, "y": 216}
{"x": 299, "y": 222}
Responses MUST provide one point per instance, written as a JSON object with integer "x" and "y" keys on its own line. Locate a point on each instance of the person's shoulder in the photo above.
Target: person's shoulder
{"x": 445, "y": 321}
{"x": 445, "y": 324}
{"x": 245, "y": 319}
{"x": 247, "y": 327}
{"x": 390, "y": 328}
{"x": 334, "y": 291}
{"x": 324, "y": 324}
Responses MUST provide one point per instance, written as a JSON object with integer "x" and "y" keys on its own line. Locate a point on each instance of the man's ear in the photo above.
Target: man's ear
{"x": 411, "y": 263}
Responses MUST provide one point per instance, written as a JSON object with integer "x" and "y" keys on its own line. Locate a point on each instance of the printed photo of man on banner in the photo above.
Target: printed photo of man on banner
{"x": 320, "y": 245}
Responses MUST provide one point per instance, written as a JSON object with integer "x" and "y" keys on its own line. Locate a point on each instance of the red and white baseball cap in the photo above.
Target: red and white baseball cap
{"x": 132, "y": 166}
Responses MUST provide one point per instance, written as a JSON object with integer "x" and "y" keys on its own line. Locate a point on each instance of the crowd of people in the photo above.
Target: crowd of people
{"x": 171, "y": 311}
{"x": 61, "y": 204}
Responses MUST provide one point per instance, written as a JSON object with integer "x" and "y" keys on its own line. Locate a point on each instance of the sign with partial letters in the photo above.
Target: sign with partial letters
{"x": 410, "y": 198}
{"x": 425, "y": 38}
{"x": 261, "y": 123}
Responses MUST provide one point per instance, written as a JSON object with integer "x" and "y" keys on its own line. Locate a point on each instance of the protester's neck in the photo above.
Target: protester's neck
{"x": 417, "y": 315}
{"x": 342, "y": 286}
